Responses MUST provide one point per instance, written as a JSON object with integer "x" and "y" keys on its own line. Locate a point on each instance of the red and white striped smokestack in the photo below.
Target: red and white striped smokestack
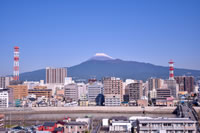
{"x": 16, "y": 63}
{"x": 171, "y": 70}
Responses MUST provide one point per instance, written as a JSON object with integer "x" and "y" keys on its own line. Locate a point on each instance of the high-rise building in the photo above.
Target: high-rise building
{"x": 186, "y": 83}
{"x": 134, "y": 91}
{"x": 55, "y": 75}
{"x": 71, "y": 92}
{"x": 127, "y": 81}
{"x": 172, "y": 85}
{"x": 19, "y": 91}
{"x": 5, "y": 81}
{"x": 94, "y": 89}
{"x": 113, "y": 90}
{"x": 145, "y": 89}
{"x": 154, "y": 83}
{"x": 112, "y": 85}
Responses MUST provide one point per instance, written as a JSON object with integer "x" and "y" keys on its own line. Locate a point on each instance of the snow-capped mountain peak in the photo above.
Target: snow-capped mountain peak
{"x": 101, "y": 56}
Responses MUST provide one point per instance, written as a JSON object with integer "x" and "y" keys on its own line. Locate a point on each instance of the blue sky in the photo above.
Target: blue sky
{"x": 67, "y": 32}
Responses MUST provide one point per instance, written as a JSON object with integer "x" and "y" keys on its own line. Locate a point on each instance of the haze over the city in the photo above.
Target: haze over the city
{"x": 66, "y": 33}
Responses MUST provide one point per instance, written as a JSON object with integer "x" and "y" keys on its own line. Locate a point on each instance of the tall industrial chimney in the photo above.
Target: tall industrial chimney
{"x": 171, "y": 70}
{"x": 16, "y": 64}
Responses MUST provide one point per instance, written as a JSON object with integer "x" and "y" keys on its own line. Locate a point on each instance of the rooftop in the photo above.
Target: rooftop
{"x": 167, "y": 120}
{"x": 76, "y": 123}
{"x": 49, "y": 124}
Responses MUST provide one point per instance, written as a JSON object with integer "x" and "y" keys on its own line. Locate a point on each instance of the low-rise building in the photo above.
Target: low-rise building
{"x": 78, "y": 126}
{"x": 71, "y": 92}
{"x": 163, "y": 94}
{"x": 40, "y": 92}
{"x": 170, "y": 101}
{"x": 48, "y": 126}
{"x": 75, "y": 127}
{"x": 83, "y": 102}
{"x": 120, "y": 127}
{"x": 112, "y": 100}
{"x": 31, "y": 84}
{"x": 116, "y": 125}
{"x": 167, "y": 125}
{"x": 142, "y": 102}
{"x": 19, "y": 91}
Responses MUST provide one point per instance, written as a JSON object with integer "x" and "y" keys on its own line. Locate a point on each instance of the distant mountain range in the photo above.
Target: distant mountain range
{"x": 102, "y": 65}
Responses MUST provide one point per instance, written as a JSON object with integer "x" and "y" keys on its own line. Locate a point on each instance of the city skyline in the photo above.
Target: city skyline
{"x": 63, "y": 34}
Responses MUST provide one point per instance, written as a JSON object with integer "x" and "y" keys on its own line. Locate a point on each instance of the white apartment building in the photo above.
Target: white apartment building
{"x": 82, "y": 90}
{"x": 5, "y": 81}
{"x": 112, "y": 100}
{"x": 94, "y": 90}
{"x": 68, "y": 80}
{"x": 167, "y": 125}
{"x": 31, "y": 84}
{"x": 4, "y": 98}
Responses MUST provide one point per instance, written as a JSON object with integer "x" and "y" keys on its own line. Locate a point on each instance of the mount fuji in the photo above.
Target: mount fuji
{"x": 102, "y": 65}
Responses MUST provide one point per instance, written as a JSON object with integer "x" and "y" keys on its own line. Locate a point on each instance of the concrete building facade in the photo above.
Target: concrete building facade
{"x": 55, "y": 75}
{"x": 163, "y": 94}
{"x": 5, "y": 81}
{"x": 186, "y": 83}
{"x": 113, "y": 91}
{"x": 154, "y": 83}
{"x": 167, "y": 125}
{"x": 112, "y": 100}
{"x": 82, "y": 90}
{"x": 71, "y": 92}
{"x": 94, "y": 89}
{"x": 19, "y": 91}
{"x": 134, "y": 90}
{"x": 4, "y": 98}
{"x": 172, "y": 85}
{"x": 40, "y": 92}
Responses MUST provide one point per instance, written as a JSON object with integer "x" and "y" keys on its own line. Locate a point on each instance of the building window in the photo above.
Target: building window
{"x": 144, "y": 124}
